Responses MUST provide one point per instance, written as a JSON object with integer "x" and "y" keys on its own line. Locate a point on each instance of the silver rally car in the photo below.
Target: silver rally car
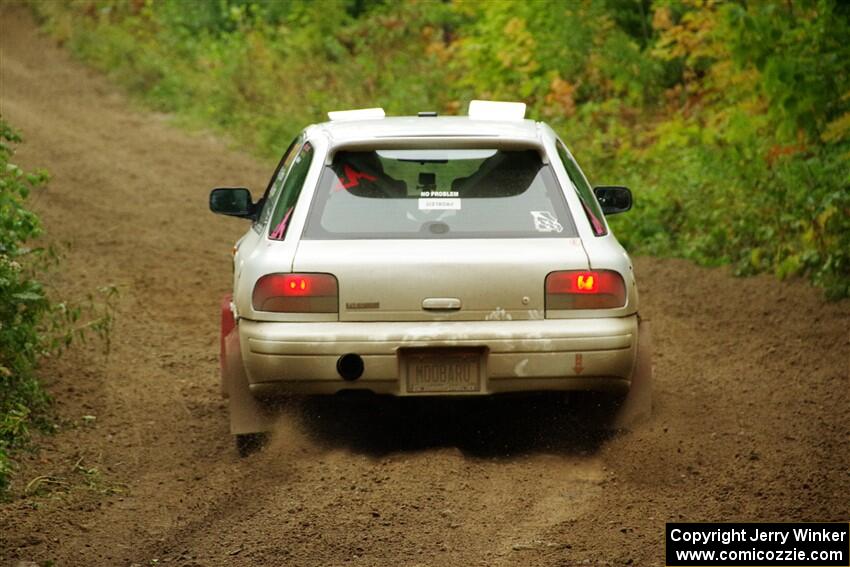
{"x": 428, "y": 256}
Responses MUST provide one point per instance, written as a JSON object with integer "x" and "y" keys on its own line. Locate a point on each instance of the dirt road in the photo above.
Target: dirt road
{"x": 751, "y": 418}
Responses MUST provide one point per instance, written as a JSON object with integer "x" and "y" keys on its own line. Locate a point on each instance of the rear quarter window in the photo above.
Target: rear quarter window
{"x": 276, "y": 183}
{"x": 291, "y": 189}
{"x": 439, "y": 193}
{"x": 591, "y": 207}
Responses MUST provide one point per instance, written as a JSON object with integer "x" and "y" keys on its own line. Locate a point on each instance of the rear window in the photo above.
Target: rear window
{"x": 446, "y": 193}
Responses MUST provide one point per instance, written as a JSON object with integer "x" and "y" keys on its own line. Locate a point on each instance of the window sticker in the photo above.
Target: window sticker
{"x": 439, "y": 204}
{"x": 544, "y": 221}
{"x": 280, "y": 230}
{"x": 439, "y": 201}
{"x": 352, "y": 178}
{"x": 598, "y": 227}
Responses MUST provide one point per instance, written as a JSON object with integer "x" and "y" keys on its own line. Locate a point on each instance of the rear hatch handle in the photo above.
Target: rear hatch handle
{"x": 441, "y": 304}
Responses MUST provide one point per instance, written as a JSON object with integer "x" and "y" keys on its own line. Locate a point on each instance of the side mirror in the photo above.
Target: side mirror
{"x": 233, "y": 202}
{"x": 613, "y": 199}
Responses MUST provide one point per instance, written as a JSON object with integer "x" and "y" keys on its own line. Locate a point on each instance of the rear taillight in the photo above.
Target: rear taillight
{"x": 600, "y": 289}
{"x": 296, "y": 293}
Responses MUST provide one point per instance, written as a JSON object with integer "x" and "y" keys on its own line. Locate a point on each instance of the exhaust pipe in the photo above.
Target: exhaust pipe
{"x": 350, "y": 366}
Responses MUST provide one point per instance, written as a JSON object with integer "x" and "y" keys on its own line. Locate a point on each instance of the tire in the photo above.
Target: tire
{"x": 249, "y": 443}
{"x": 636, "y": 407}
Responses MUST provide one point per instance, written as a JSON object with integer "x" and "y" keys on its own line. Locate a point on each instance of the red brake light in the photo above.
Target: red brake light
{"x": 295, "y": 285}
{"x": 601, "y": 289}
{"x": 296, "y": 293}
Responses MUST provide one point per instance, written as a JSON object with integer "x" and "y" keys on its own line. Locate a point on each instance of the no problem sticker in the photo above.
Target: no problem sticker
{"x": 439, "y": 204}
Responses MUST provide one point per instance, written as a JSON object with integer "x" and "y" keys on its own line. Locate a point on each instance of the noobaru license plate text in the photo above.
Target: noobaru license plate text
{"x": 428, "y": 373}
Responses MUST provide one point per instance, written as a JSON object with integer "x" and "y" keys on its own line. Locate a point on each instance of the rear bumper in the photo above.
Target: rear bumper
{"x": 551, "y": 354}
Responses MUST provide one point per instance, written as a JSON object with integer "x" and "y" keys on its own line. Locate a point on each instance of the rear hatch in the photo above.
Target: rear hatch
{"x": 437, "y": 280}
{"x": 439, "y": 234}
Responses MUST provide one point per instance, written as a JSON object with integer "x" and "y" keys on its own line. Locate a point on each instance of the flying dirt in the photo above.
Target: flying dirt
{"x": 750, "y": 422}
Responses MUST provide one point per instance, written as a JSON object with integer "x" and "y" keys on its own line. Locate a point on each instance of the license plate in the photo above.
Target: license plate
{"x": 443, "y": 372}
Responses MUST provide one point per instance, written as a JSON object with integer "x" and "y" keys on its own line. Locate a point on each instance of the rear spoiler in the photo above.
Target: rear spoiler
{"x": 494, "y": 110}
{"x": 357, "y": 114}
{"x": 441, "y": 142}
{"x": 478, "y": 110}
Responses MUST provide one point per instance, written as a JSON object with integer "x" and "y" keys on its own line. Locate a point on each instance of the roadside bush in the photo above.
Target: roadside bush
{"x": 731, "y": 121}
{"x": 23, "y": 306}
{"x": 32, "y": 325}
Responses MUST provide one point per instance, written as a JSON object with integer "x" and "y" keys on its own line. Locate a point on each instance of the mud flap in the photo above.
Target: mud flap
{"x": 636, "y": 407}
{"x": 228, "y": 322}
{"x": 247, "y": 413}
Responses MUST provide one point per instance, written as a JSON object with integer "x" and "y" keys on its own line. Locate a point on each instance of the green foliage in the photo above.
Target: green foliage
{"x": 31, "y": 325}
{"x": 731, "y": 121}
{"x": 22, "y": 305}
{"x": 749, "y": 163}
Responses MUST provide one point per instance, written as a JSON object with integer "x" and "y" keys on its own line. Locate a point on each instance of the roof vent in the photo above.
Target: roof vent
{"x": 358, "y": 114}
{"x": 493, "y": 110}
{"x": 427, "y": 114}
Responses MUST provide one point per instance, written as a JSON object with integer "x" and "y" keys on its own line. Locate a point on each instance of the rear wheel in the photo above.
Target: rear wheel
{"x": 249, "y": 443}
{"x": 636, "y": 406}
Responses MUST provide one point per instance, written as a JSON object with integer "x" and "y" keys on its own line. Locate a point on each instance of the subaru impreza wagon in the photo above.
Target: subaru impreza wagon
{"x": 427, "y": 256}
